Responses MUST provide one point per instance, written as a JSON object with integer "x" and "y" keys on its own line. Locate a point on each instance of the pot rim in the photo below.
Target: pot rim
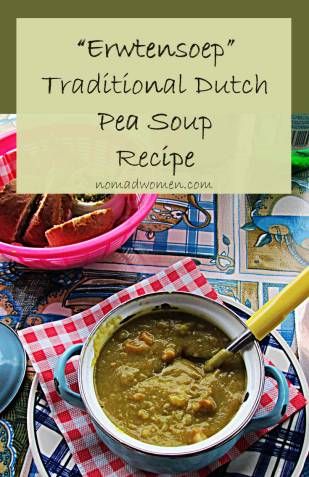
{"x": 176, "y": 451}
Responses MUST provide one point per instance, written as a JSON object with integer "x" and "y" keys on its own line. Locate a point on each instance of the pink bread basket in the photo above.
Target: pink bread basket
{"x": 68, "y": 256}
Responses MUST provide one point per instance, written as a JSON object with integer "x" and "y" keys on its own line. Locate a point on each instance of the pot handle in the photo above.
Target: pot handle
{"x": 60, "y": 381}
{"x": 275, "y": 415}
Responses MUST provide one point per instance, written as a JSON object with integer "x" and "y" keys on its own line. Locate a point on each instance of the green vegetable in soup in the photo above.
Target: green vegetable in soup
{"x": 151, "y": 381}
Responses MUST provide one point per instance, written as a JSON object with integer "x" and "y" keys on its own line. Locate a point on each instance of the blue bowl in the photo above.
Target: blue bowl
{"x": 12, "y": 365}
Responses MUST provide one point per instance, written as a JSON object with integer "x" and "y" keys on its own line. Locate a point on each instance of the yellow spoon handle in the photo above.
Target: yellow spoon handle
{"x": 275, "y": 310}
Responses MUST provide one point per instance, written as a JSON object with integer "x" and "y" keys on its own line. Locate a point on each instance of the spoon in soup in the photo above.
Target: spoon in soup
{"x": 266, "y": 319}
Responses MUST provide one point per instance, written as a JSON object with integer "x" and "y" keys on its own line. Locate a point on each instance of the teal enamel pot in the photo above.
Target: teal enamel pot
{"x": 185, "y": 458}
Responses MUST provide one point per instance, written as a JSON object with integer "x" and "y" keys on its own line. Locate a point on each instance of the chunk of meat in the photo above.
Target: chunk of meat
{"x": 147, "y": 337}
{"x": 135, "y": 346}
{"x": 207, "y": 406}
{"x": 168, "y": 355}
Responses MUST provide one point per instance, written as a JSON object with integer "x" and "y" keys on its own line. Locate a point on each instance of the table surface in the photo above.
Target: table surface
{"x": 227, "y": 234}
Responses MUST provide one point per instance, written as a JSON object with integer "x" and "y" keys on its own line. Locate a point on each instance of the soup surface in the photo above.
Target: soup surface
{"x": 152, "y": 385}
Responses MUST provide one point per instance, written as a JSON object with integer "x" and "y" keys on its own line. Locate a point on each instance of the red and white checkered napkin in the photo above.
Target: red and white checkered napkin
{"x": 44, "y": 343}
{"x": 7, "y": 167}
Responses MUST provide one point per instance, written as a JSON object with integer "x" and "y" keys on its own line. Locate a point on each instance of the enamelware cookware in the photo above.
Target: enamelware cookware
{"x": 184, "y": 458}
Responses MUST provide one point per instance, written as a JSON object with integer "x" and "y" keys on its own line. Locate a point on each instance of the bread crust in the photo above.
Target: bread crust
{"x": 53, "y": 209}
{"x": 80, "y": 228}
{"x": 15, "y": 210}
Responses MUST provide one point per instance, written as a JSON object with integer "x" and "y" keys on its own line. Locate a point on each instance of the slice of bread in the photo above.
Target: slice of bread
{"x": 53, "y": 209}
{"x": 15, "y": 210}
{"x": 81, "y": 228}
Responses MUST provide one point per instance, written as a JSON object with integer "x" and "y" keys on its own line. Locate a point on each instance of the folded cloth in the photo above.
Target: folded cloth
{"x": 7, "y": 167}
{"x": 44, "y": 343}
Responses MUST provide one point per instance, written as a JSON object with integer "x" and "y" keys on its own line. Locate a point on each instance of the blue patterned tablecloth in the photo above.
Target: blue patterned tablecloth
{"x": 247, "y": 251}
